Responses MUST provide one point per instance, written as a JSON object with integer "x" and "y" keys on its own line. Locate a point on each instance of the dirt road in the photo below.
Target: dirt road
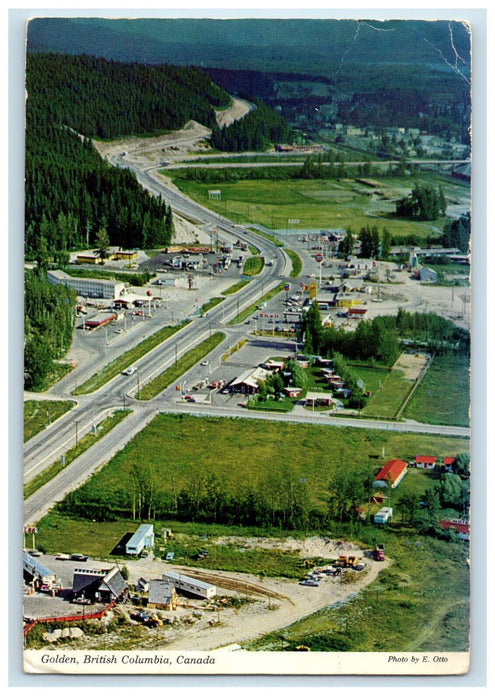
{"x": 274, "y": 602}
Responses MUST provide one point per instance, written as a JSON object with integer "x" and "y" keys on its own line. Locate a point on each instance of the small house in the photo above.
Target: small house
{"x": 425, "y": 462}
{"x": 292, "y": 391}
{"x": 99, "y": 585}
{"x": 393, "y": 472}
{"x": 383, "y": 516}
{"x": 448, "y": 465}
{"x": 162, "y": 595}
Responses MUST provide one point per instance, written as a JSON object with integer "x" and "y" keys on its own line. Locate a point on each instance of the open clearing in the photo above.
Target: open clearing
{"x": 272, "y": 602}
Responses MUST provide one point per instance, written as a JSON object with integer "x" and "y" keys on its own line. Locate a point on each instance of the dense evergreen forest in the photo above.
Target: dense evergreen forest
{"x": 254, "y": 132}
{"x": 106, "y": 99}
{"x": 48, "y": 324}
{"x": 71, "y": 193}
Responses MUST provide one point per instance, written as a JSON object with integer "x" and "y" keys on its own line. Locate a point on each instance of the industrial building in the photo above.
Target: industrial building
{"x": 86, "y": 287}
{"x": 143, "y": 538}
{"x": 192, "y": 586}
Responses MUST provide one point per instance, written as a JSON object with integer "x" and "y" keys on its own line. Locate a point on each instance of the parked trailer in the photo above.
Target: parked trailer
{"x": 190, "y": 585}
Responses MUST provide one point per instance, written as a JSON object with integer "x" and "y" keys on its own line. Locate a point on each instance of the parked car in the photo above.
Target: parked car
{"x": 204, "y": 363}
{"x": 81, "y": 600}
{"x": 309, "y": 582}
{"x": 63, "y": 557}
{"x": 79, "y": 557}
{"x": 360, "y": 566}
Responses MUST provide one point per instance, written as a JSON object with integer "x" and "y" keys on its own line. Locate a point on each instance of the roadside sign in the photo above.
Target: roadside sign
{"x": 318, "y": 257}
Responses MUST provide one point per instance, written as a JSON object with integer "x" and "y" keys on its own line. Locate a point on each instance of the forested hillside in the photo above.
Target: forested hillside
{"x": 255, "y": 132}
{"x": 106, "y": 99}
{"x": 71, "y": 193}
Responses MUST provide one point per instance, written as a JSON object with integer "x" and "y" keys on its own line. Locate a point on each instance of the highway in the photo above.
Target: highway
{"x": 46, "y": 447}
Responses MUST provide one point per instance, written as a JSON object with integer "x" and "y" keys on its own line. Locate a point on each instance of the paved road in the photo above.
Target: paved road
{"x": 47, "y": 446}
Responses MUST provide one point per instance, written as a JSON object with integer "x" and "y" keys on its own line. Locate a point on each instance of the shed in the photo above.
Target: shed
{"x": 143, "y": 537}
{"x": 461, "y": 527}
{"x": 162, "y": 595}
{"x": 448, "y": 464}
{"x": 383, "y": 515}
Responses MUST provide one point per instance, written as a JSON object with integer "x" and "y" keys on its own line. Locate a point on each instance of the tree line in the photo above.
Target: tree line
{"x": 379, "y": 339}
{"x": 49, "y": 318}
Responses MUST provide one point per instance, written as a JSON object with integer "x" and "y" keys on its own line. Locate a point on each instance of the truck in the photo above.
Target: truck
{"x": 347, "y": 561}
{"x": 379, "y": 552}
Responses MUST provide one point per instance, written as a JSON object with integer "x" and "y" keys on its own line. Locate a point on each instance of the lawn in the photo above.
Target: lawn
{"x": 386, "y": 400}
{"x": 254, "y": 266}
{"x": 38, "y": 415}
{"x": 443, "y": 397}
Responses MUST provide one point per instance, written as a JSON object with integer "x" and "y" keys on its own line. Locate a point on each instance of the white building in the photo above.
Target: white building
{"x": 186, "y": 584}
{"x": 86, "y": 287}
{"x": 143, "y": 537}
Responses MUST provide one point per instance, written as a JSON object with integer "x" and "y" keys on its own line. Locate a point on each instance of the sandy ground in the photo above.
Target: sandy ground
{"x": 411, "y": 365}
{"x": 273, "y": 603}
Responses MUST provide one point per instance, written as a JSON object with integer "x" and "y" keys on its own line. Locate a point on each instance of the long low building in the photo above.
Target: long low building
{"x": 187, "y": 584}
{"x": 87, "y": 287}
{"x": 144, "y": 537}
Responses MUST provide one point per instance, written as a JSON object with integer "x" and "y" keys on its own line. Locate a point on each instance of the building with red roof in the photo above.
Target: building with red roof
{"x": 425, "y": 462}
{"x": 448, "y": 464}
{"x": 393, "y": 472}
{"x": 461, "y": 527}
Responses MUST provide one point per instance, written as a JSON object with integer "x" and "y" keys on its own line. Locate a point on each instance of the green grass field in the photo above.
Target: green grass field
{"x": 38, "y": 415}
{"x": 388, "y": 397}
{"x": 319, "y": 203}
{"x": 443, "y": 396}
{"x": 246, "y": 453}
{"x": 253, "y": 266}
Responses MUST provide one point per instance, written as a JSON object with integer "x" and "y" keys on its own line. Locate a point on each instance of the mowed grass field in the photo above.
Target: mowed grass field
{"x": 443, "y": 397}
{"x": 250, "y": 453}
{"x": 320, "y": 203}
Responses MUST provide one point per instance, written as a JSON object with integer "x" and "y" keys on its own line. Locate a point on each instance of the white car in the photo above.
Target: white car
{"x": 129, "y": 371}
{"x": 205, "y": 363}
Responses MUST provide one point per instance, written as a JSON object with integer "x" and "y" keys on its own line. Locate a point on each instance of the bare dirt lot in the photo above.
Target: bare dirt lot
{"x": 265, "y": 604}
{"x": 411, "y": 365}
